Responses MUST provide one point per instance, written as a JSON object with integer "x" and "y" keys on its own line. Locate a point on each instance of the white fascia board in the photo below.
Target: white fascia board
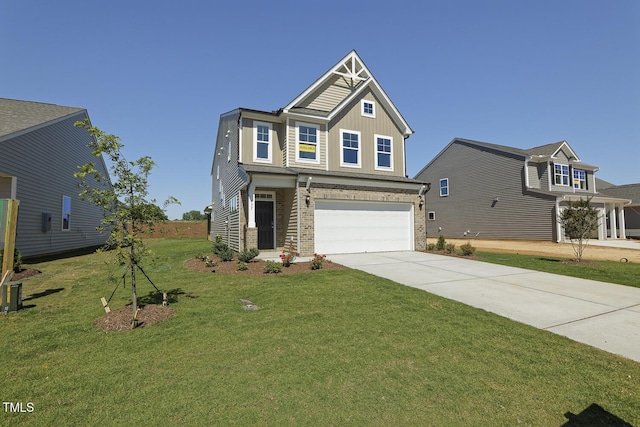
{"x": 358, "y": 182}
{"x": 594, "y": 199}
{"x": 565, "y": 144}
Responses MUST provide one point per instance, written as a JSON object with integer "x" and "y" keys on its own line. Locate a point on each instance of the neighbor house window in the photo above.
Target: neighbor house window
{"x": 368, "y": 108}
{"x": 561, "y": 173}
{"x": 431, "y": 216}
{"x": 233, "y": 204}
{"x": 262, "y": 142}
{"x": 384, "y": 146}
{"x": 307, "y": 142}
{"x": 444, "y": 187}
{"x": 66, "y": 213}
{"x": 350, "y": 153}
{"x": 579, "y": 179}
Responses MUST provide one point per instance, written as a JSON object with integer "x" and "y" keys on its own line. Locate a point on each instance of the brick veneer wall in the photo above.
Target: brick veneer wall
{"x": 342, "y": 192}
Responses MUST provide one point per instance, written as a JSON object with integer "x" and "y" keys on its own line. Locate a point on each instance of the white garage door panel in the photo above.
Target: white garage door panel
{"x": 351, "y": 227}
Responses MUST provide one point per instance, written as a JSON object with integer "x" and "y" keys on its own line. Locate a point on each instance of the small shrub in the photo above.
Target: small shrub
{"x": 17, "y": 260}
{"x": 226, "y": 254}
{"x": 242, "y": 266}
{"x": 209, "y": 262}
{"x": 450, "y": 248}
{"x": 317, "y": 261}
{"x": 441, "y": 243}
{"x": 201, "y": 257}
{"x": 431, "y": 246}
{"x": 467, "y": 249}
{"x": 246, "y": 255}
{"x": 219, "y": 246}
{"x": 288, "y": 255}
{"x": 272, "y": 267}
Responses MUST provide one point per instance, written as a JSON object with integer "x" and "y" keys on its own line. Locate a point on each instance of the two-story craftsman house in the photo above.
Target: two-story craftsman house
{"x": 495, "y": 191}
{"x": 326, "y": 172}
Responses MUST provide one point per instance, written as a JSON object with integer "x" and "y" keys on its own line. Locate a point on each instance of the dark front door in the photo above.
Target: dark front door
{"x": 264, "y": 222}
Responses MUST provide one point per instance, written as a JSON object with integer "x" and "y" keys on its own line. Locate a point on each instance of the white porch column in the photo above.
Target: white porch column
{"x": 251, "y": 196}
{"x": 623, "y": 232}
{"x": 602, "y": 223}
{"x": 613, "y": 222}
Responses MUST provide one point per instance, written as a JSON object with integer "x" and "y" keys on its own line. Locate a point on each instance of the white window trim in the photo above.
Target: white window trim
{"x": 578, "y": 180}
{"x": 569, "y": 177}
{"x": 440, "y": 187}
{"x": 431, "y": 216}
{"x": 342, "y": 162}
{"x": 376, "y": 152}
{"x": 255, "y": 142}
{"x": 63, "y": 214}
{"x": 373, "y": 107}
{"x": 297, "y": 130}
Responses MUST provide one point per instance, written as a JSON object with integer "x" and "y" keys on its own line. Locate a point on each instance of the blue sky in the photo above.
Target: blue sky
{"x": 159, "y": 73}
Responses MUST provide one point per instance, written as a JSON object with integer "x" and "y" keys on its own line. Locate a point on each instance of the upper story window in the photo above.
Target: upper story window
{"x": 444, "y": 187}
{"x": 368, "y": 108}
{"x": 66, "y": 213}
{"x": 307, "y": 142}
{"x": 262, "y": 142}
{"x": 384, "y": 145}
{"x": 350, "y": 148}
{"x": 561, "y": 173}
{"x": 579, "y": 179}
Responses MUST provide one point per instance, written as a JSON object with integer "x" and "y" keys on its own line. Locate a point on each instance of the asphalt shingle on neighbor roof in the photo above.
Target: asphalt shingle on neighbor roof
{"x": 628, "y": 191}
{"x": 16, "y": 116}
{"x": 542, "y": 150}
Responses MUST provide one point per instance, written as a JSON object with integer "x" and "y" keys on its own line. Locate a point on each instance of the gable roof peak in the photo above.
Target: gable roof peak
{"x": 337, "y": 87}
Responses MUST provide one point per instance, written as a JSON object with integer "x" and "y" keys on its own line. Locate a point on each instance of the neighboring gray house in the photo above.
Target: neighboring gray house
{"x": 326, "y": 172}
{"x": 632, "y": 210}
{"x": 40, "y": 150}
{"x": 495, "y": 191}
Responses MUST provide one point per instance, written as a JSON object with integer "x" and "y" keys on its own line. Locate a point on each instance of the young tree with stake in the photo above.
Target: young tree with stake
{"x": 127, "y": 212}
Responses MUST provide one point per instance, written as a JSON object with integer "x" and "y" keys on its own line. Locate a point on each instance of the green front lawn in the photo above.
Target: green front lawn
{"x": 327, "y": 348}
{"x": 622, "y": 273}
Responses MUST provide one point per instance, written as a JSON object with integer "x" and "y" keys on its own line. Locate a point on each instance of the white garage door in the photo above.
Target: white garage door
{"x": 354, "y": 226}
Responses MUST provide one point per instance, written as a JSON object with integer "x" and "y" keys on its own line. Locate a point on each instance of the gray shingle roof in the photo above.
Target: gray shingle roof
{"x": 629, "y": 191}
{"x": 16, "y": 116}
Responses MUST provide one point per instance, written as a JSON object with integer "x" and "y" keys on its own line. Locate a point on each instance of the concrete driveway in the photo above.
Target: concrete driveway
{"x": 603, "y": 315}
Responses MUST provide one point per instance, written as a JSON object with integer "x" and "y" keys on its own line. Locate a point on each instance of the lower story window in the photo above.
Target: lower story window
{"x": 66, "y": 213}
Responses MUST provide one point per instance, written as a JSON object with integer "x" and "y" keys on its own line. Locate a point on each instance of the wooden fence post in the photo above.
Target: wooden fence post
{"x": 10, "y": 235}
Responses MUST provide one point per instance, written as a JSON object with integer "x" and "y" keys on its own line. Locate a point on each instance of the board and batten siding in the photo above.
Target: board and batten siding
{"x": 44, "y": 161}
{"x": 350, "y": 118}
{"x": 487, "y": 197}
{"x": 225, "y": 222}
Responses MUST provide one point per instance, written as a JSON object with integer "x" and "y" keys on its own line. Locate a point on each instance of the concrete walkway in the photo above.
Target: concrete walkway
{"x": 603, "y": 315}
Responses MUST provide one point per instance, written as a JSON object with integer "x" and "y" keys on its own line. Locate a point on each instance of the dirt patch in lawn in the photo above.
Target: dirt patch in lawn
{"x": 120, "y": 320}
{"x": 23, "y": 274}
{"x": 550, "y": 249}
{"x": 254, "y": 268}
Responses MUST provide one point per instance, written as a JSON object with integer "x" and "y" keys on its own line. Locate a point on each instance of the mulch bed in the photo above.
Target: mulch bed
{"x": 255, "y": 267}
{"x": 24, "y": 273}
{"x": 120, "y": 320}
